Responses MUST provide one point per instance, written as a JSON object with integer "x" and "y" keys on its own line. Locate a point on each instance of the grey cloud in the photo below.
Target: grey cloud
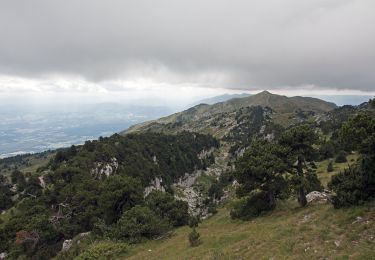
{"x": 240, "y": 44}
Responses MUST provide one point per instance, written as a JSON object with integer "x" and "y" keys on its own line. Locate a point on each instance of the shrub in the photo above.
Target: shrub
{"x": 140, "y": 222}
{"x": 354, "y": 185}
{"x": 341, "y": 157}
{"x": 330, "y": 166}
{"x": 194, "y": 221}
{"x": 167, "y": 207}
{"x": 104, "y": 250}
{"x": 194, "y": 238}
{"x": 312, "y": 181}
{"x": 251, "y": 206}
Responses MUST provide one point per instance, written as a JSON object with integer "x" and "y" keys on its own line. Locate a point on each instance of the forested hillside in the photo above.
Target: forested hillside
{"x": 269, "y": 159}
{"x": 99, "y": 184}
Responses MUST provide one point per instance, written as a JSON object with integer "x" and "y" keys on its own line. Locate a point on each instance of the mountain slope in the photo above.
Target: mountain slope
{"x": 219, "y": 118}
{"x": 315, "y": 232}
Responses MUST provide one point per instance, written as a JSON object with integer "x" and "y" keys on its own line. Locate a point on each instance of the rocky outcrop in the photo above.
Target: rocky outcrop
{"x": 188, "y": 179}
{"x": 156, "y": 184}
{"x": 42, "y": 183}
{"x": 67, "y": 244}
{"x": 317, "y": 197}
{"x": 206, "y": 153}
{"x": 104, "y": 169}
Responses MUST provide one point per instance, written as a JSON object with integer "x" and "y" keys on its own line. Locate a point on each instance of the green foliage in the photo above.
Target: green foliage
{"x": 139, "y": 222}
{"x": 261, "y": 173}
{"x": 194, "y": 221}
{"x": 262, "y": 167}
{"x": 18, "y": 178}
{"x": 357, "y": 132}
{"x": 194, "y": 238}
{"x": 300, "y": 141}
{"x": 216, "y": 190}
{"x": 104, "y": 250}
{"x": 5, "y": 194}
{"x": 353, "y": 186}
{"x": 249, "y": 122}
{"x": 337, "y": 117}
{"x": 77, "y": 200}
{"x": 357, "y": 184}
{"x": 312, "y": 182}
{"x": 326, "y": 150}
{"x": 330, "y": 167}
{"x": 251, "y": 206}
{"x": 33, "y": 186}
{"x": 119, "y": 193}
{"x": 341, "y": 157}
{"x": 167, "y": 207}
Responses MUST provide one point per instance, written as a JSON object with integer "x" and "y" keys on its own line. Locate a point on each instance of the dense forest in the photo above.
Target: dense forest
{"x": 100, "y": 186}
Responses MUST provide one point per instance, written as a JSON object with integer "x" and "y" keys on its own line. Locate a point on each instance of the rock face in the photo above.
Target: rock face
{"x": 156, "y": 184}
{"x": 316, "y": 196}
{"x": 206, "y": 153}
{"x": 42, "y": 183}
{"x": 104, "y": 169}
{"x": 67, "y": 245}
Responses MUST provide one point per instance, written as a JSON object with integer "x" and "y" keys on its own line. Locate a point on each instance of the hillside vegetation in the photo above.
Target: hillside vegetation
{"x": 315, "y": 232}
{"x": 213, "y": 118}
{"x": 264, "y": 176}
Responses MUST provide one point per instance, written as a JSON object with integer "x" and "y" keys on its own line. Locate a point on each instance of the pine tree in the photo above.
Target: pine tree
{"x": 262, "y": 168}
{"x": 300, "y": 140}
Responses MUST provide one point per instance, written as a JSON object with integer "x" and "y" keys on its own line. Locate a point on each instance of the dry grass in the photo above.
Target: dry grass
{"x": 315, "y": 232}
{"x": 325, "y": 176}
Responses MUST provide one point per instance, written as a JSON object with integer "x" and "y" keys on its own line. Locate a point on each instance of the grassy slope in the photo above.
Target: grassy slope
{"x": 314, "y": 232}
{"x": 30, "y": 164}
{"x": 325, "y": 176}
{"x": 317, "y": 231}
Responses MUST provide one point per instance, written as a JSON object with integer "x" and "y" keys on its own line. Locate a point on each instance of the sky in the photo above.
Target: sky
{"x": 177, "y": 51}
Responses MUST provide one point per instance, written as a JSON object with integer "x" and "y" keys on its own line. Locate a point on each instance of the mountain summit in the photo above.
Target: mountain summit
{"x": 219, "y": 118}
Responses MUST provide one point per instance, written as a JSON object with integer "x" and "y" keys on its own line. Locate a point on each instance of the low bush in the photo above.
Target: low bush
{"x": 104, "y": 250}
{"x": 251, "y": 206}
{"x": 341, "y": 157}
{"x": 194, "y": 238}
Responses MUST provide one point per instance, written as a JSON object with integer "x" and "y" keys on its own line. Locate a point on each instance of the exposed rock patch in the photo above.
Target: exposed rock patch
{"x": 104, "y": 169}
{"x": 67, "y": 244}
{"x": 317, "y": 197}
{"x": 156, "y": 184}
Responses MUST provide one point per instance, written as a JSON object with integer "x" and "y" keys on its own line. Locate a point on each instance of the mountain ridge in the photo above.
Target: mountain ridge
{"x": 283, "y": 106}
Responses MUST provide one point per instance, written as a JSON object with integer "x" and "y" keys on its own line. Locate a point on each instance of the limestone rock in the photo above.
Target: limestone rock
{"x": 104, "y": 169}
{"x": 67, "y": 245}
{"x": 316, "y": 196}
{"x": 156, "y": 184}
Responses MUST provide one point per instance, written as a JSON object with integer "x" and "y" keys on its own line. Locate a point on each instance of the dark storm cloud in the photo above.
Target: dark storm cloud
{"x": 242, "y": 44}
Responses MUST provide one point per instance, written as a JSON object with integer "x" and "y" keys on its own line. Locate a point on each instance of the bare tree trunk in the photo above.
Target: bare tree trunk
{"x": 271, "y": 199}
{"x": 302, "y": 197}
{"x": 301, "y": 190}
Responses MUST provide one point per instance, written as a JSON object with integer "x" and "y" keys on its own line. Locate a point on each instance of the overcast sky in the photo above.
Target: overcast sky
{"x": 186, "y": 48}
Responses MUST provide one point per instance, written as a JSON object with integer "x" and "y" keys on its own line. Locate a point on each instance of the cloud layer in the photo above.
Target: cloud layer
{"x": 235, "y": 44}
